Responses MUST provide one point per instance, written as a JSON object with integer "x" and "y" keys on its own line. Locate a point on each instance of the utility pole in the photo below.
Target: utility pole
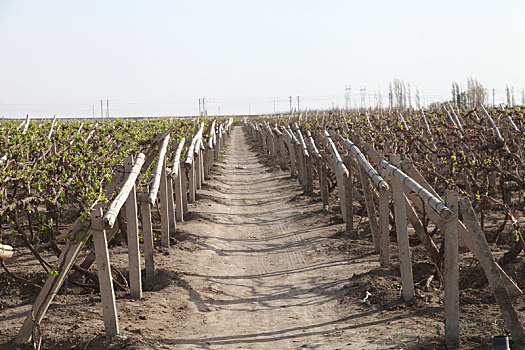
{"x": 363, "y": 96}
{"x": 290, "y": 104}
{"x": 101, "y": 110}
{"x": 204, "y": 112}
{"x": 298, "y": 106}
{"x": 348, "y": 91}
{"x": 493, "y": 94}
{"x": 107, "y": 109}
{"x": 200, "y": 110}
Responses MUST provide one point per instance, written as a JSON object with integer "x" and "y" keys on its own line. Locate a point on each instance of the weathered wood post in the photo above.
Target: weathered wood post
{"x": 164, "y": 209}
{"x": 323, "y": 183}
{"x": 349, "y": 196}
{"x": 132, "y": 228}
{"x": 147, "y": 233}
{"x": 105, "y": 281}
{"x": 402, "y": 234}
{"x": 193, "y": 174}
{"x": 171, "y": 202}
{"x": 485, "y": 257}
{"x": 369, "y": 201}
{"x": 341, "y": 172}
{"x": 191, "y": 177}
{"x": 291, "y": 152}
{"x": 53, "y": 283}
{"x": 160, "y": 183}
{"x": 178, "y": 176}
{"x": 306, "y": 161}
{"x": 184, "y": 187}
{"x": 321, "y": 168}
{"x": 451, "y": 272}
{"x": 384, "y": 218}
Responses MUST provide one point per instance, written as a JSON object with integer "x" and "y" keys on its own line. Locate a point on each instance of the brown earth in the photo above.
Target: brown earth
{"x": 258, "y": 265}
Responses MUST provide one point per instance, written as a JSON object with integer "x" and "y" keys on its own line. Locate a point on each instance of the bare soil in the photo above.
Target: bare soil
{"x": 258, "y": 265}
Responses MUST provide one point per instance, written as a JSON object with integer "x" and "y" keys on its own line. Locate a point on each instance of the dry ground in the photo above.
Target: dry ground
{"x": 256, "y": 265}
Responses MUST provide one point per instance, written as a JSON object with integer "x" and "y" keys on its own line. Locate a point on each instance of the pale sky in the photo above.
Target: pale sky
{"x": 152, "y": 58}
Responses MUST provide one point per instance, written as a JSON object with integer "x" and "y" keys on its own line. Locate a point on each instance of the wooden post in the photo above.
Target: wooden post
{"x": 184, "y": 187}
{"x": 349, "y": 196}
{"x": 49, "y": 290}
{"x": 196, "y": 161}
{"x": 179, "y": 194}
{"x": 484, "y": 254}
{"x": 132, "y": 228}
{"x": 147, "y": 233}
{"x": 171, "y": 206}
{"x": 191, "y": 175}
{"x": 217, "y": 148}
{"x": 402, "y": 234}
{"x": 384, "y": 218}
{"x": 321, "y": 169}
{"x": 451, "y": 272}
{"x": 201, "y": 166}
{"x": 282, "y": 150}
{"x": 206, "y": 159}
{"x": 464, "y": 236}
{"x": 339, "y": 176}
{"x": 369, "y": 202}
{"x": 300, "y": 165}
{"x": 105, "y": 281}
{"x": 291, "y": 153}
{"x": 164, "y": 209}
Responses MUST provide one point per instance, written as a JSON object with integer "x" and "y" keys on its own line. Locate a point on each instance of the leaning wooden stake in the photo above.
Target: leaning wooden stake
{"x": 482, "y": 251}
{"x": 402, "y": 234}
{"x": 464, "y": 236}
{"x": 107, "y": 293}
{"x": 53, "y": 283}
{"x": 132, "y": 228}
{"x": 451, "y": 272}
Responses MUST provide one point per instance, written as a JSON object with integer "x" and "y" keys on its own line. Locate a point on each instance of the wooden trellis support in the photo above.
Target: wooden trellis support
{"x": 291, "y": 151}
{"x": 407, "y": 281}
{"x": 464, "y": 236}
{"x": 107, "y": 293}
{"x": 191, "y": 162}
{"x": 306, "y": 161}
{"x": 132, "y": 228}
{"x": 147, "y": 233}
{"x": 451, "y": 272}
{"x": 491, "y": 268}
{"x": 178, "y": 176}
{"x": 160, "y": 183}
{"x": 341, "y": 172}
{"x": 53, "y": 283}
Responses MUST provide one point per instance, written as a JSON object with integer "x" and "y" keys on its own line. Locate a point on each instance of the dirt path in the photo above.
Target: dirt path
{"x": 265, "y": 276}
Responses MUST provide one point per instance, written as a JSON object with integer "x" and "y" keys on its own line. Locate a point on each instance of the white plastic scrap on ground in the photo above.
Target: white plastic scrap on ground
{"x": 366, "y": 297}
{"x": 240, "y": 166}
